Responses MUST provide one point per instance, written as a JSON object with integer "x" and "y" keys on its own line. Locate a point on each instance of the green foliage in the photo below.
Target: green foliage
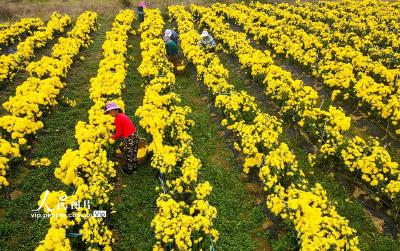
{"x": 285, "y": 242}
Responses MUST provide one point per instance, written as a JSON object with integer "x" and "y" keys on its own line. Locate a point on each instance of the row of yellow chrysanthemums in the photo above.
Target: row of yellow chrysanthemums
{"x": 4, "y": 25}
{"x": 257, "y": 139}
{"x": 378, "y": 40}
{"x": 340, "y": 68}
{"x": 375, "y": 19}
{"x": 9, "y": 64}
{"x": 332, "y": 42}
{"x": 371, "y": 161}
{"x": 37, "y": 95}
{"x": 378, "y": 13}
{"x": 184, "y": 219}
{"x": 14, "y": 32}
{"x": 88, "y": 168}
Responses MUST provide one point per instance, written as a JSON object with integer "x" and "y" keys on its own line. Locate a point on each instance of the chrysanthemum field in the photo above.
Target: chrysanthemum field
{"x": 286, "y": 137}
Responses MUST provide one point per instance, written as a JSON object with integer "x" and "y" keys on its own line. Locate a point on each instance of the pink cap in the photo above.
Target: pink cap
{"x": 111, "y": 106}
{"x": 142, "y": 4}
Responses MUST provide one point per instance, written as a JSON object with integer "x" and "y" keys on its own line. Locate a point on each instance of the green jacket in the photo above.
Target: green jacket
{"x": 172, "y": 48}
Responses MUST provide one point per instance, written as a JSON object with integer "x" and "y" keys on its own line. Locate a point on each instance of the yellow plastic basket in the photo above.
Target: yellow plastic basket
{"x": 142, "y": 151}
{"x": 180, "y": 67}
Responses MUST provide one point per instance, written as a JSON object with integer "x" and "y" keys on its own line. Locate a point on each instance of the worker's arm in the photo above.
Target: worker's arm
{"x": 202, "y": 43}
{"x": 212, "y": 42}
{"x": 118, "y": 127}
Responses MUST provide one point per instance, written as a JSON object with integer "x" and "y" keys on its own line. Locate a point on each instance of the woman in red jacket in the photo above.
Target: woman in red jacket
{"x": 126, "y": 130}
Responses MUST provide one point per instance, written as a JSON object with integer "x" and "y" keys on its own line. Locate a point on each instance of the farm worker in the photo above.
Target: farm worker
{"x": 141, "y": 7}
{"x": 126, "y": 130}
{"x": 11, "y": 51}
{"x": 172, "y": 35}
{"x": 207, "y": 41}
{"x": 172, "y": 50}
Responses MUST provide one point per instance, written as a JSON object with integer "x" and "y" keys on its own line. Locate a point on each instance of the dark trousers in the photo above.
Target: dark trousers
{"x": 174, "y": 59}
{"x": 131, "y": 144}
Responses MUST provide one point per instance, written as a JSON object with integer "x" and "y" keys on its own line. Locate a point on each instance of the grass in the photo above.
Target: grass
{"x": 18, "y": 231}
{"x": 135, "y": 196}
{"x": 17, "y": 9}
{"x": 236, "y": 221}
